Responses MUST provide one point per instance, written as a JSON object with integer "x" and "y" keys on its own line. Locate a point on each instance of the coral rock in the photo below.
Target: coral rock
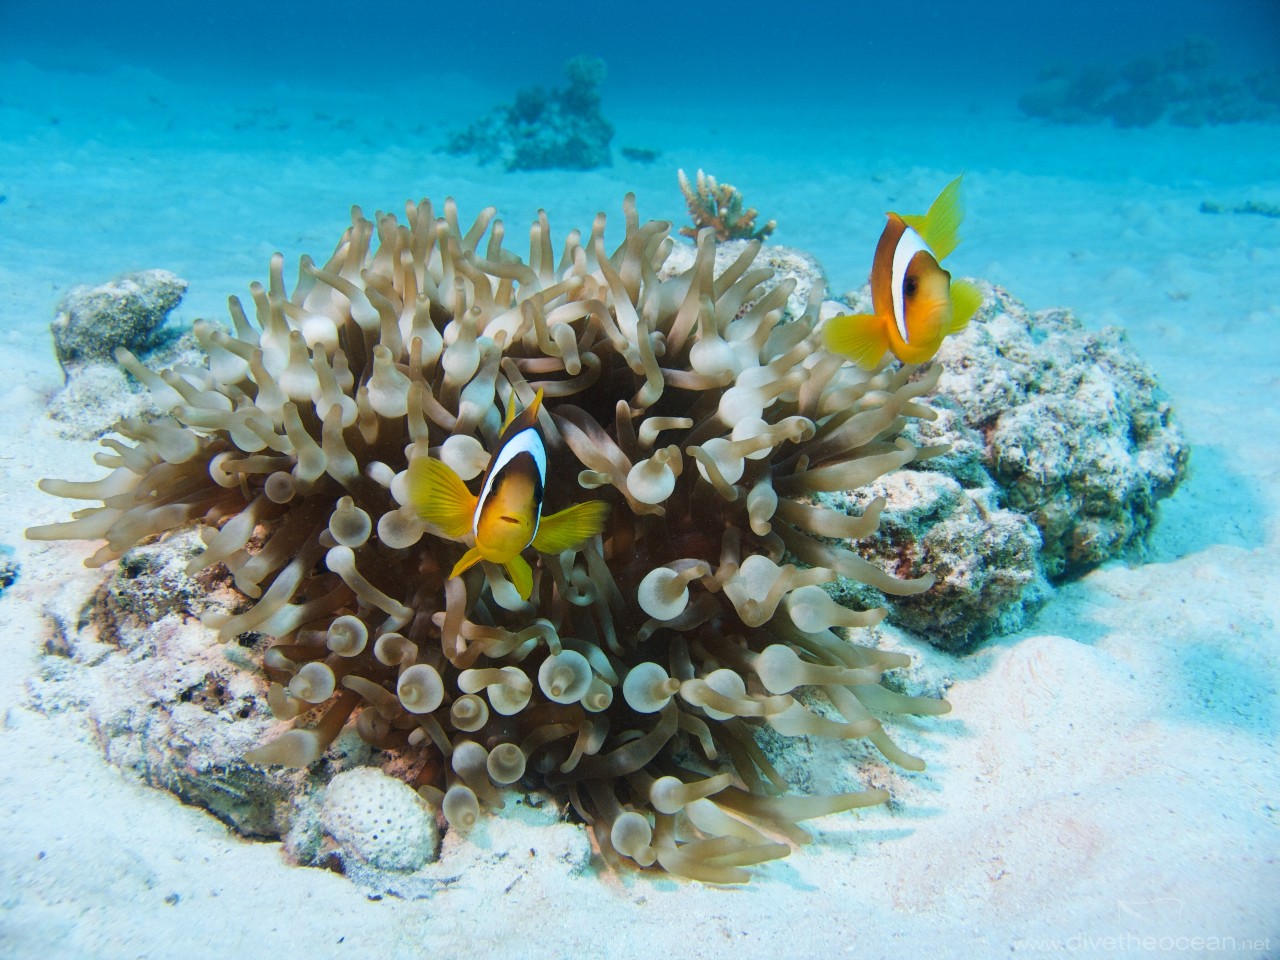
{"x": 91, "y": 322}
{"x": 985, "y": 559}
{"x": 1040, "y": 419}
{"x": 167, "y": 702}
{"x": 1178, "y": 84}
{"x": 1077, "y": 433}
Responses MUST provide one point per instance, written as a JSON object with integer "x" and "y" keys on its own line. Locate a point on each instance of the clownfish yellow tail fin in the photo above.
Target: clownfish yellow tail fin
{"x": 940, "y": 227}
{"x": 439, "y": 496}
{"x": 570, "y": 527}
{"x": 860, "y": 337}
{"x": 468, "y": 560}
{"x": 965, "y": 301}
{"x": 521, "y": 575}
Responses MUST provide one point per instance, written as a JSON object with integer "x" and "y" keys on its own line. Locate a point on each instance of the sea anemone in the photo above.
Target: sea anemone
{"x": 632, "y": 683}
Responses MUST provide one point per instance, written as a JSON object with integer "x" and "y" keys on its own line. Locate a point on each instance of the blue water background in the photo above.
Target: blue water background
{"x": 832, "y": 51}
{"x": 280, "y": 116}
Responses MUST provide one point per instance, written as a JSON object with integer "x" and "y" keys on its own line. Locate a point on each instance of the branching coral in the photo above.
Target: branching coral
{"x": 720, "y": 206}
{"x": 631, "y": 684}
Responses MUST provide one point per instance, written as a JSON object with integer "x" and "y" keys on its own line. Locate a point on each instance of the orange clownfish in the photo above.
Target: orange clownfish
{"x": 506, "y": 517}
{"x": 915, "y": 302}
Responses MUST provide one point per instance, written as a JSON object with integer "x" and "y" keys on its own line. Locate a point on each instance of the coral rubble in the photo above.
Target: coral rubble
{"x": 632, "y": 684}
{"x": 645, "y": 155}
{"x": 720, "y": 206}
{"x": 9, "y": 567}
{"x": 1257, "y": 207}
{"x": 559, "y": 129}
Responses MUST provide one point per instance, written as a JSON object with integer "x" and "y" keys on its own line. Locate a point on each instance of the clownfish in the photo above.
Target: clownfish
{"x": 506, "y": 518}
{"x": 915, "y": 302}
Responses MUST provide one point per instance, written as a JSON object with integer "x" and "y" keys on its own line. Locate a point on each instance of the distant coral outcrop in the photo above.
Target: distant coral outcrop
{"x": 560, "y": 129}
{"x": 1181, "y": 85}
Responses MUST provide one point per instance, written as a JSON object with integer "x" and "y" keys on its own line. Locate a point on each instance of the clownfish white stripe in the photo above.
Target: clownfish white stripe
{"x": 526, "y": 441}
{"x": 909, "y": 244}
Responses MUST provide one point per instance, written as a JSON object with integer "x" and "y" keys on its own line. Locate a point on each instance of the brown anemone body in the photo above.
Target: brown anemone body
{"x": 705, "y": 420}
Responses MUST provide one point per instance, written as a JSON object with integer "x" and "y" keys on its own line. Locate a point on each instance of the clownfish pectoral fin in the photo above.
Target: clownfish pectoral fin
{"x": 965, "y": 301}
{"x": 940, "y": 227}
{"x": 521, "y": 575}
{"x": 860, "y": 337}
{"x": 468, "y": 560}
{"x": 570, "y": 527}
{"x": 439, "y": 496}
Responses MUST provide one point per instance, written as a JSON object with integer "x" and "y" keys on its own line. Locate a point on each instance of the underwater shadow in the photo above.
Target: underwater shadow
{"x": 1219, "y": 687}
{"x": 1203, "y": 649}
{"x": 1195, "y": 516}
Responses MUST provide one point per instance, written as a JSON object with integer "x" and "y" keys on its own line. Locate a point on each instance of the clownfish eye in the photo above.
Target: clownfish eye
{"x": 909, "y": 286}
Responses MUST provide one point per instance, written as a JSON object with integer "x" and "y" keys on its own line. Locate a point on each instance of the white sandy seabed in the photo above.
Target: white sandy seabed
{"x": 1107, "y": 782}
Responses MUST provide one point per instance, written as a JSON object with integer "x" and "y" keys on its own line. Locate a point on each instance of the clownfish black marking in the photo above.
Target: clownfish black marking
{"x": 916, "y": 304}
{"x": 506, "y": 517}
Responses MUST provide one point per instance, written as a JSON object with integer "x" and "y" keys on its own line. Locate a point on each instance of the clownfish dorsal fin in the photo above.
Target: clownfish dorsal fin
{"x": 438, "y": 496}
{"x": 940, "y": 227}
{"x": 511, "y": 412}
{"x": 570, "y": 527}
{"x": 531, "y": 410}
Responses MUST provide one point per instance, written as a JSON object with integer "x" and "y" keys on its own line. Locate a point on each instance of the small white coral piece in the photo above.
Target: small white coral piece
{"x": 379, "y": 820}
